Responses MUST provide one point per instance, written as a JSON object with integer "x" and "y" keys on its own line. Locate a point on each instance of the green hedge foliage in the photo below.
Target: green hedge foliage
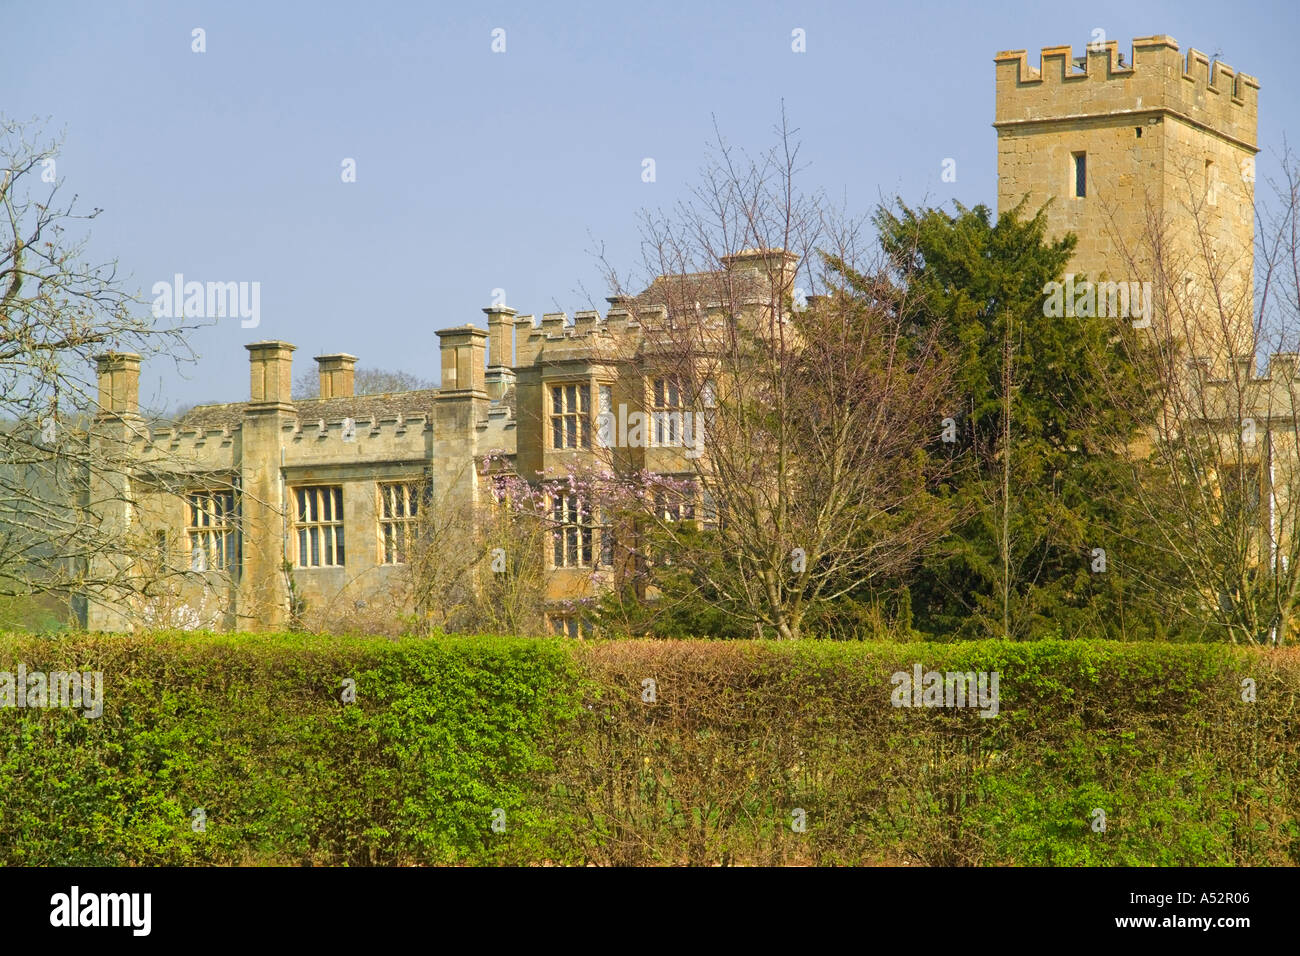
{"x": 480, "y": 750}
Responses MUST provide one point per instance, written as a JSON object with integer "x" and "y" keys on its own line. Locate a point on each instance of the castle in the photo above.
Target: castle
{"x": 272, "y": 500}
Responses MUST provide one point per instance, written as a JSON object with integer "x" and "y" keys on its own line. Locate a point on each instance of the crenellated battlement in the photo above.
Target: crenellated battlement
{"x": 623, "y": 332}
{"x": 1110, "y": 144}
{"x": 370, "y": 437}
{"x": 350, "y": 430}
{"x": 1239, "y": 390}
{"x": 590, "y": 335}
{"x": 188, "y": 452}
{"x": 1155, "y": 79}
{"x": 196, "y": 436}
{"x": 182, "y": 446}
{"x": 208, "y": 446}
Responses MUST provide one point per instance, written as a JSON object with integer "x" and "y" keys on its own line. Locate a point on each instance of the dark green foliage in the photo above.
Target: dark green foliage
{"x": 685, "y": 605}
{"x": 1074, "y": 396}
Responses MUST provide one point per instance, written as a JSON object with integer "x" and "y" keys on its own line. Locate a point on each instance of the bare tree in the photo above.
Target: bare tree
{"x": 60, "y": 472}
{"x": 785, "y": 363}
{"x": 1219, "y": 474}
{"x": 367, "y": 381}
{"x": 475, "y": 565}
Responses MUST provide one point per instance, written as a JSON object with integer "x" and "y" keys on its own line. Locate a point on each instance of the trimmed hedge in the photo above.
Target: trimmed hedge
{"x": 750, "y": 752}
{"x": 253, "y": 731}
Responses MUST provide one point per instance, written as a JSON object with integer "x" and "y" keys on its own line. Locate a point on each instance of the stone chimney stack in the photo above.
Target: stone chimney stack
{"x": 776, "y": 265}
{"x": 462, "y": 405}
{"x": 116, "y": 429}
{"x": 337, "y": 375}
{"x": 501, "y": 336}
{"x": 501, "y": 347}
{"x": 119, "y": 384}
{"x": 463, "y": 352}
{"x": 270, "y": 373}
{"x": 263, "y": 589}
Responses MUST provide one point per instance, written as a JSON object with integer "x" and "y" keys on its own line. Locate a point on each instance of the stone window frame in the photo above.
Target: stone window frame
{"x": 569, "y": 411}
{"x": 672, "y": 508}
{"x": 707, "y": 511}
{"x": 669, "y": 426}
{"x": 696, "y": 504}
{"x": 1242, "y": 491}
{"x": 399, "y": 514}
{"x": 667, "y": 411}
{"x": 327, "y": 533}
{"x": 1078, "y": 174}
{"x": 607, "y": 541}
{"x": 567, "y": 625}
{"x": 573, "y": 532}
{"x": 162, "y": 547}
{"x": 212, "y": 529}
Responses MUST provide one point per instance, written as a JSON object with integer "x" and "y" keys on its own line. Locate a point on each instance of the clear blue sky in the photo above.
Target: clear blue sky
{"x": 478, "y": 170}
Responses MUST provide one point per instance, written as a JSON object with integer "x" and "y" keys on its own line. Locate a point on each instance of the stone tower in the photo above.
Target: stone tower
{"x": 1129, "y": 150}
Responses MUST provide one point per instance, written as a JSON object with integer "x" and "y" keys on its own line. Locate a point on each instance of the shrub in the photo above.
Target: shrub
{"x": 591, "y": 763}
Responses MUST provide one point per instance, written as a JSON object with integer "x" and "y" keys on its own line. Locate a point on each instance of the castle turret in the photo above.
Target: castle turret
{"x": 1121, "y": 147}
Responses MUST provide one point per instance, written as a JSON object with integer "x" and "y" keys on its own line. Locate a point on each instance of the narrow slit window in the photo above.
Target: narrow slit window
{"x": 1080, "y": 175}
